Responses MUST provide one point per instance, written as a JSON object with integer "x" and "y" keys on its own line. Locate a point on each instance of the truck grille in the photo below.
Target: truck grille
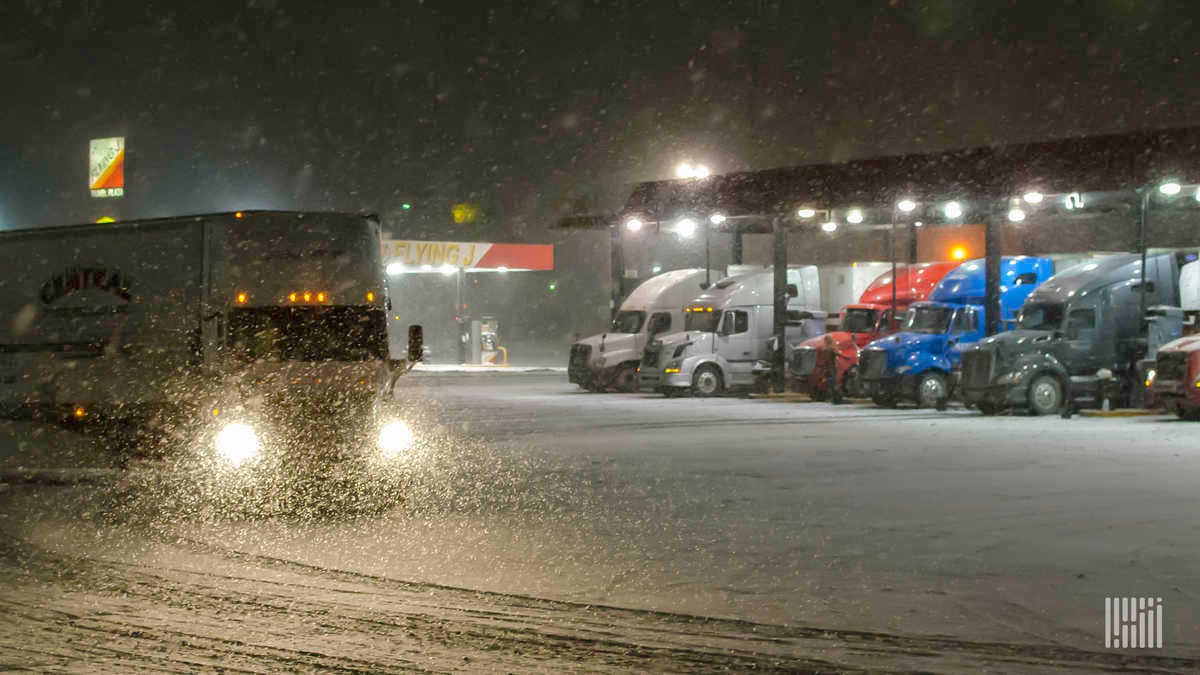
{"x": 873, "y": 364}
{"x": 651, "y": 356}
{"x": 577, "y": 364}
{"x": 804, "y": 362}
{"x": 1171, "y": 365}
{"x": 978, "y": 366}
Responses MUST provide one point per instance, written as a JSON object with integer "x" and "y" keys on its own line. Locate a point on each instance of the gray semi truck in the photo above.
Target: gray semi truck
{"x": 1079, "y": 338}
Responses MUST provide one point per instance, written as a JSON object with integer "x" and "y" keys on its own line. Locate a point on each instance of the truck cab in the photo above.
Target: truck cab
{"x": 728, "y": 332}
{"x": 860, "y": 324}
{"x": 918, "y": 363}
{"x": 1079, "y": 335}
{"x": 610, "y": 360}
{"x": 1175, "y": 378}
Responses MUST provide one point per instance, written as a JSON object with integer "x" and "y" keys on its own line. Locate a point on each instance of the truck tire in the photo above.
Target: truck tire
{"x": 707, "y": 381}
{"x": 626, "y": 379}
{"x": 1045, "y": 395}
{"x": 932, "y": 390}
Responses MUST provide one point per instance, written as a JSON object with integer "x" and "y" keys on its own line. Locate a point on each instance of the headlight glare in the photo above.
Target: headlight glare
{"x": 237, "y": 443}
{"x": 394, "y": 438}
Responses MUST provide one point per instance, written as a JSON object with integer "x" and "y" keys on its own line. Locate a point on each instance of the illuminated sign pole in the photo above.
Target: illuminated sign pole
{"x": 106, "y": 167}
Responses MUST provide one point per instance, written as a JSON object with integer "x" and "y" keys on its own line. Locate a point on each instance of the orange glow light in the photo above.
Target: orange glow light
{"x": 238, "y": 214}
{"x": 79, "y": 412}
{"x": 958, "y": 252}
{"x": 307, "y": 296}
{"x": 370, "y": 296}
{"x": 321, "y": 296}
{"x": 291, "y": 297}
{"x": 242, "y": 298}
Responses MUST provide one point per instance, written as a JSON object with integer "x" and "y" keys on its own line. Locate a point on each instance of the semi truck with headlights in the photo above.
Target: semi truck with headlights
{"x": 610, "y": 360}
{"x": 1174, "y": 378}
{"x": 1079, "y": 338}
{"x": 859, "y": 324}
{"x": 919, "y": 362}
{"x": 256, "y": 339}
{"x": 728, "y": 334}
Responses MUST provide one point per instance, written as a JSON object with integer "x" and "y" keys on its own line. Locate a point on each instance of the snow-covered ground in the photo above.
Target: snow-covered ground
{"x": 798, "y": 516}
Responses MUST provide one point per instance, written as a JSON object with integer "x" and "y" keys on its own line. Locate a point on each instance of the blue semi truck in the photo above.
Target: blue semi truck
{"x": 918, "y": 363}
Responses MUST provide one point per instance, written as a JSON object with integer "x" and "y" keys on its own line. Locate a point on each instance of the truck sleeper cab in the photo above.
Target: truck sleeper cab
{"x": 728, "y": 334}
{"x": 1078, "y": 337}
{"x": 610, "y": 360}
{"x": 861, "y": 323}
{"x": 918, "y": 363}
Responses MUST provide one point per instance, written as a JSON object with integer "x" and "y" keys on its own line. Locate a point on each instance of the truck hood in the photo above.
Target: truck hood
{"x": 1190, "y": 343}
{"x": 612, "y": 342}
{"x": 696, "y": 341}
{"x": 1016, "y": 342}
{"x": 845, "y": 341}
{"x": 901, "y": 347}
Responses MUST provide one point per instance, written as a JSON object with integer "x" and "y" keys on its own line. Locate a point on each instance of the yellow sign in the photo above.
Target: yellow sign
{"x": 106, "y": 167}
{"x": 465, "y": 213}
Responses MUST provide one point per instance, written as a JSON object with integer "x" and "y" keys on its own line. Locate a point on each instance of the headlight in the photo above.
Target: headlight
{"x": 237, "y": 443}
{"x": 1151, "y": 375}
{"x": 395, "y": 438}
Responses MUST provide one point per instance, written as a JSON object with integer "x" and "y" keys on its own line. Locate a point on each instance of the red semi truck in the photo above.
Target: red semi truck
{"x": 862, "y": 322}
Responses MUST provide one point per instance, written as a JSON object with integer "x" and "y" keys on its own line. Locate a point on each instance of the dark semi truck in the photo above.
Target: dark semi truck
{"x": 1079, "y": 338}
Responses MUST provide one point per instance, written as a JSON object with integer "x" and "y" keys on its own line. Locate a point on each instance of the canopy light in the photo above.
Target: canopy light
{"x": 633, "y": 224}
{"x": 918, "y": 224}
{"x": 685, "y": 227}
{"x": 656, "y": 269}
{"x": 1170, "y": 188}
{"x": 959, "y": 253}
{"x": 952, "y": 210}
{"x": 686, "y": 170}
{"x": 394, "y": 269}
{"x": 830, "y": 226}
{"x": 1016, "y": 215}
{"x": 447, "y": 270}
{"x": 806, "y": 213}
{"x": 716, "y": 219}
{"x": 906, "y": 205}
{"x": 854, "y": 216}
{"x": 1032, "y": 197}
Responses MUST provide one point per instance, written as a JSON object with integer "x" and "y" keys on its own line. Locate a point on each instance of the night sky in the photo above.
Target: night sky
{"x": 535, "y": 109}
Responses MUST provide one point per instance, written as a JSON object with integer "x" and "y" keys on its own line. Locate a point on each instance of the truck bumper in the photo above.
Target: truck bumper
{"x": 657, "y": 380}
{"x": 996, "y": 395}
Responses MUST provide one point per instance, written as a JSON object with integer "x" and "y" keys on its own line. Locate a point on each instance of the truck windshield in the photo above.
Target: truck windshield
{"x": 928, "y": 319}
{"x": 703, "y": 321}
{"x": 1043, "y": 317}
{"x": 308, "y": 333}
{"x": 859, "y": 320}
{"x": 628, "y": 321}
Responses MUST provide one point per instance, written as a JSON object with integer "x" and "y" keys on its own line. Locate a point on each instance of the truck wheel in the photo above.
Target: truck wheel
{"x": 626, "y": 379}
{"x": 851, "y": 385}
{"x": 932, "y": 391}
{"x": 1045, "y": 395}
{"x": 707, "y": 381}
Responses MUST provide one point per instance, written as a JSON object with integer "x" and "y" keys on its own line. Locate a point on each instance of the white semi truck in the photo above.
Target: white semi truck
{"x": 610, "y": 360}
{"x": 255, "y": 339}
{"x": 728, "y": 334}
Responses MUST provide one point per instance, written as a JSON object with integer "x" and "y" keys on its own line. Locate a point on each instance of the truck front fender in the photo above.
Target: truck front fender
{"x": 920, "y": 362}
{"x": 1027, "y": 366}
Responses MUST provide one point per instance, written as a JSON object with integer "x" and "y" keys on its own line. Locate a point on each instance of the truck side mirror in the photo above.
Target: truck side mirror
{"x": 416, "y": 343}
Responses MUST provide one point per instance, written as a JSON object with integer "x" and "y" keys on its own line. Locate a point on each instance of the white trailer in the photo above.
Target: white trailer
{"x": 728, "y": 334}
{"x": 843, "y": 285}
{"x": 253, "y": 333}
{"x": 610, "y": 359}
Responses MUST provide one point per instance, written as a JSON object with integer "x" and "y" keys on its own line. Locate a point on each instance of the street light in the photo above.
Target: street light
{"x": 952, "y": 210}
{"x": 716, "y": 219}
{"x": 906, "y": 205}
{"x": 685, "y": 227}
{"x": 686, "y": 170}
{"x": 829, "y": 226}
{"x": 1170, "y": 188}
{"x": 854, "y": 216}
{"x": 1016, "y": 215}
{"x": 633, "y": 224}
{"x": 809, "y": 213}
{"x": 1032, "y": 197}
